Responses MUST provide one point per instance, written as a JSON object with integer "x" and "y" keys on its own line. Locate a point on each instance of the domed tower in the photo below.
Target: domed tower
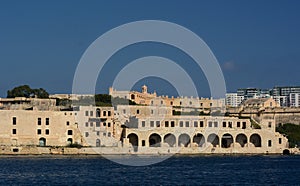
{"x": 144, "y": 89}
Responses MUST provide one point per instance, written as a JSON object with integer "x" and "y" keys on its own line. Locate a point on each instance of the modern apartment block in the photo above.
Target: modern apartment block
{"x": 233, "y": 99}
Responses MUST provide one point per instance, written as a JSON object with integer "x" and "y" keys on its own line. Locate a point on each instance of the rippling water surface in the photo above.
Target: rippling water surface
{"x": 181, "y": 170}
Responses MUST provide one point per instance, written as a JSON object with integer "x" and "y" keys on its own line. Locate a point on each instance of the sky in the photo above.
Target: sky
{"x": 255, "y": 42}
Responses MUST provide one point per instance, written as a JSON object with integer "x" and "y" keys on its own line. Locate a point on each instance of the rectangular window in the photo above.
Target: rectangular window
{"x": 224, "y": 123}
{"x": 187, "y": 124}
{"x": 270, "y": 124}
{"x": 209, "y": 124}
{"x": 238, "y": 124}
{"x": 97, "y": 124}
{"x": 244, "y": 125}
{"x": 166, "y": 123}
{"x": 201, "y": 124}
{"x": 108, "y": 124}
{"x": 143, "y": 123}
{"x": 14, "y": 120}
{"x": 279, "y": 141}
{"x": 86, "y": 113}
{"x": 91, "y": 124}
{"x": 157, "y": 123}
{"x": 47, "y": 132}
{"x": 70, "y": 132}
{"x": 230, "y": 124}
{"x": 109, "y": 113}
{"x": 152, "y": 111}
{"x": 104, "y": 113}
{"x": 195, "y": 124}
{"x": 47, "y": 121}
{"x": 270, "y": 143}
{"x": 14, "y": 131}
{"x": 104, "y": 134}
{"x": 68, "y": 123}
{"x": 39, "y": 131}
{"x": 137, "y": 111}
{"x": 39, "y": 121}
{"x": 172, "y": 123}
{"x": 216, "y": 124}
{"x": 86, "y": 134}
{"x": 181, "y": 123}
{"x": 86, "y": 124}
{"x": 98, "y": 133}
{"x": 91, "y": 113}
{"x": 104, "y": 124}
{"x": 143, "y": 143}
{"x": 151, "y": 123}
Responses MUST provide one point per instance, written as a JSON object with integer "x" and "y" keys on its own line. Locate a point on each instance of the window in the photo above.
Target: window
{"x": 68, "y": 123}
{"x": 97, "y": 112}
{"x": 86, "y": 134}
{"x": 171, "y": 103}
{"x": 86, "y": 124}
{"x": 238, "y": 124}
{"x": 195, "y": 124}
{"x": 104, "y": 113}
{"x": 187, "y": 124}
{"x": 137, "y": 111}
{"x": 201, "y": 124}
{"x": 209, "y": 124}
{"x": 166, "y": 123}
{"x": 104, "y": 134}
{"x": 143, "y": 143}
{"x": 211, "y": 104}
{"x": 180, "y": 103}
{"x": 151, "y": 123}
{"x": 14, "y": 121}
{"x": 152, "y": 111}
{"x": 172, "y": 123}
{"x": 124, "y": 111}
{"x": 98, "y": 133}
{"x": 143, "y": 123}
{"x": 39, "y": 131}
{"x": 270, "y": 124}
{"x": 47, "y": 121}
{"x": 86, "y": 113}
{"x": 224, "y": 123}
{"x": 270, "y": 143}
{"x": 244, "y": 125}
{"x": 151, "y": 102}
{"x": 191, "y": 103}
{"x": 109, "y": 134}
{"x": 91, "y": 124}
{"x": 181, "y": 123}
{"x": 157, "y": 123}
{"x": 215, "y": 124}
{"x": 14, "y": 131}
{"x": 161, "y": 102}
{"x": 109, "y": 113}
{"x": 230, "y": 124}
{"x": 279, "y": 141}
{"x": 39, "y": 121}
{"x": 97, "y": 124}
{"x": 201, "y": 104}
{"x": 91, "y": 113}
{"x": 47, "y": 132}
{"x": 70, "y": 132}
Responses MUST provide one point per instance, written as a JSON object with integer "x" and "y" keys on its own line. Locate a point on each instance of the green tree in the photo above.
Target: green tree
{"x": 26, "y": 91}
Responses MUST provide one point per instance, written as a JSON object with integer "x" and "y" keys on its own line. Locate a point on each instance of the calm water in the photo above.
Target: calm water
{"x": 188, "y": 170}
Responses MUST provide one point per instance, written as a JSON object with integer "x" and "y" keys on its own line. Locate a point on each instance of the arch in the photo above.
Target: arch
{"x": 98, "y": 143}
{"x": 213, "y": 139}
{"x": 227, "y": 140}
{"x": 98, "y": 111}
{"x": 184, "y": 139}
{"x": 70, "y": 141}
{"x": 170, "y": 139}
{"x": 42, "y": 142}
{"x": 154, "y": 140}
{"x": 199, "y": 139}
{"x": 256, "y": 140}
{"x": 241, "y": 139}
{"x": 134, "y": 141}
{"x": 286, "y": 152}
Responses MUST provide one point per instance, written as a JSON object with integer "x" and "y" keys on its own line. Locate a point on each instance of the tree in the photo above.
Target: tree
{"x": 26, "y": 91}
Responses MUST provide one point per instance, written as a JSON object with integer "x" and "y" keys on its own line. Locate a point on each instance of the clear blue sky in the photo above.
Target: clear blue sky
{"x": 255, "y": 42}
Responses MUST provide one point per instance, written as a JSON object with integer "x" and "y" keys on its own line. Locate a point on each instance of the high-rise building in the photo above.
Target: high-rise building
{"x": 233, "y": 100}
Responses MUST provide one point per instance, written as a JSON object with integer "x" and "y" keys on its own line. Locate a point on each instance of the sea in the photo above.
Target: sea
{"x": 176, "y": 170}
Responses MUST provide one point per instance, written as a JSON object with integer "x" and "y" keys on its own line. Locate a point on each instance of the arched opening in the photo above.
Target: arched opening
{"x": 170, "y": 139}
{"x": 154, "y": 140}
{"x": 69, "y": 141}
{"x": 199, "y": 139}
{"x": 256, "y": 140}
{"x": 42, "y": 142}
{"x": 98, "y": 143}
{"x": 132, "y": 96}
{"x": 227, "y": 140}
{"x": 241, "y": 139}
{"x": 184, "y": 140}
{"x": 213, "y": 139}
{"x": 133, "y": 140}
{"x": 98, "y": 111}
{"x": 286, "y": 152}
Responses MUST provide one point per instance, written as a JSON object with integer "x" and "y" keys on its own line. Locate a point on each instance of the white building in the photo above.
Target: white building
{"x": 295, "y": 100}
{"x": 233, "y": 100}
